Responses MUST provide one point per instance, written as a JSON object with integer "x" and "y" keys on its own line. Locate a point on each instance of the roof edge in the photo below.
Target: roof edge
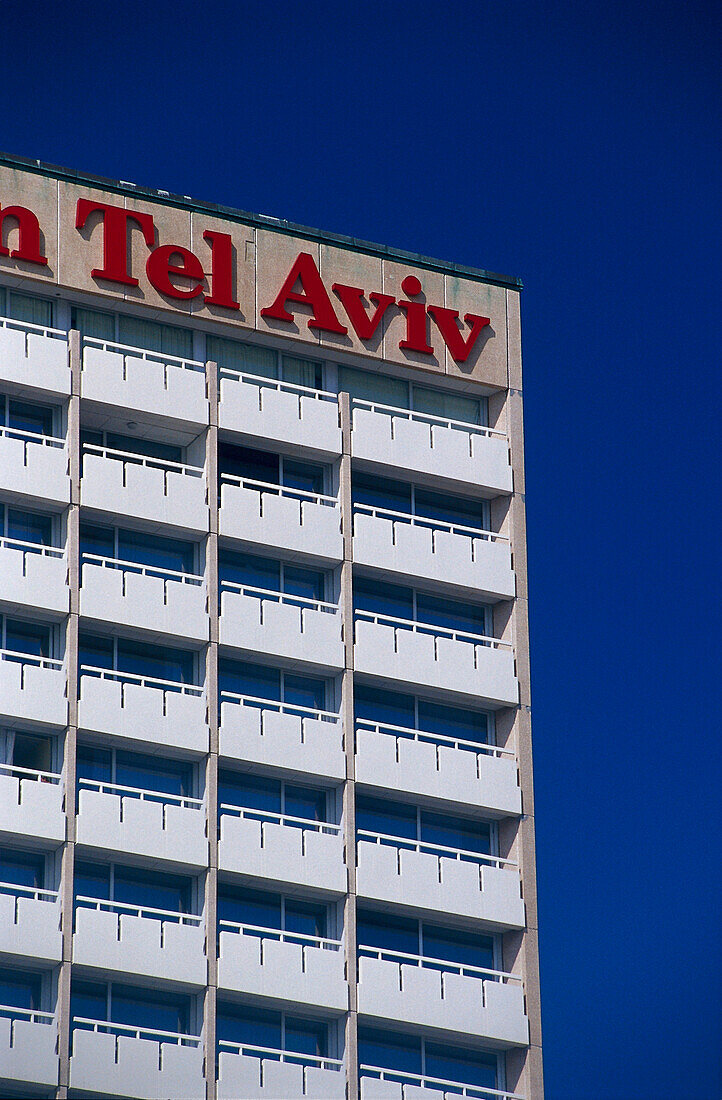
{"x": 262, "y": 221}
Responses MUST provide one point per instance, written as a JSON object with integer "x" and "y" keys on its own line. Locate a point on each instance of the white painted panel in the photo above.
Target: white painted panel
{"x": 34, "y": 469}
{"x": 27, "y": 1052}
{"x": 140, "y": 714}
{"x": 281, "y": 853}
{"x": 282, "y": 740}
{"x": 149, "y": 829}
{"x": 31, "y": 808}
{"x": 33, "y": 580}
{"x": 31, "y": 359}
{"x": 28, "y": 691}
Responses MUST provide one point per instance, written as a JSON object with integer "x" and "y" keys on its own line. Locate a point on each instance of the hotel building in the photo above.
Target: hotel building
{"x": 266, "y": 806}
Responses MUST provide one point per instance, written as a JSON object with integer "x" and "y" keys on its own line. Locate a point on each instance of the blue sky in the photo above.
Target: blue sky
{"x": 575, "y": 145}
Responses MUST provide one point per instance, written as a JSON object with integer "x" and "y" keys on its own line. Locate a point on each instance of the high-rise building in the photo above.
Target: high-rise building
{"x": 265, "y": 761}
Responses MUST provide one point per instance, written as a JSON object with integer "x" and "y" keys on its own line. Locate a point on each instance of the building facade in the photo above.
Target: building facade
{"x": 265, "y": 761}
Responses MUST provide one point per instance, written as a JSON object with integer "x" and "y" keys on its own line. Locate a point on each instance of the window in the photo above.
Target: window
{"x": 21, "y": 636}
{"x": 132, "y": 769}
{"x": 135, "y": 332}
{"x": 26, "y": 526}
{"x": 388, "y": 932}
{"x": 271, "y": 575}
{"x": 399, "y": 394}
{"x": 147, "y": 1009}
{"x": 272, "y": 911}
{"x": 136, "y": 658}
{"x": 255, "y": 1027}
{"x": 271, "y": 684}
{"x": 265, "y": 362}
{"x": 375, "y": 705}
{"x": 138, "y": 547}
{"x": 22, "y": 868}
{"x": 398, "y": 819}
{"x": 26, "y": 307}
{"x": 34, "y": 752}
{"x": 257, "y": 792}
{"x": 397, "y": 601}
{"x": 371, "y": 491}
{"x": 271, "y": 468}
{"x": 19, "y": 989}
{"x": 133, "y": 886}
{"x": 414, "y": 1056}
{"x": 24, "y": 416}
{"x": 147, "y": 448}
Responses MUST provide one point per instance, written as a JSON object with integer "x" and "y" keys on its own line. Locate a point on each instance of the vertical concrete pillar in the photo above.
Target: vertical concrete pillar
{"x": 349, "y": 735}
{"x": 71, "y": 733}
{"x": 211, "y": 884}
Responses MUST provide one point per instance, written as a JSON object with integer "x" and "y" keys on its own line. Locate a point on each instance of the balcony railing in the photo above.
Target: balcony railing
{"x": 39, "y": 330}
{"x": 427, "y": 418}
{"x": 30, "y": 773}
{"x": 31, "y": 1015}
{"x": 18, "y": 658}
{"x": 261, "y": 933}
{"x": 440, "y": 739}
{"x": 130, "y": 457}
{"x": 31, "y": 548}
{"x": 274, "y": 489}
{"x": 438, "y": 1083}
{"x": 142, "y": 681}
{"x": 444, "y": 965}
{"x": 35, "y": 893}
{"x": 429, "y": 628}
{"x": 461, "y": 854}
{"x": 276, "y": 1055}
{"x": 107, "y": 1027}
{"x": 32, "y": 437}
{"x": 274, "y": 596}
{"x": 279, "y": 819}
{"x": 143, "y": 570}
{"x": 142, "y": 353}
{"x": 279, "y": 708}
{"x": 144, "y": 795}
{"x": 430, "y": 524}
{"x": 277, "y": 384}
{"x": 148, "y": 911}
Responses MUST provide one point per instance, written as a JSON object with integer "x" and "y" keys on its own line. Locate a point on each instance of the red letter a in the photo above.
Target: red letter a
{"x": 446, "y": 320}
{"x": 313, "y": 293}
{"x": 364, "y": 326}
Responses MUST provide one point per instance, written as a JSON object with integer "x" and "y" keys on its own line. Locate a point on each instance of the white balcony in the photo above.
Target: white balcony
{"x": 266, "y": 409}
{"x": 32, "y": 688}
{"x": 442, "y": 997}
{"x": 118, "y": 1060}
{"x": 426, "y": 656}
{"x": 282, "y": 966}
{"x": 27, "y": 1047}
{"x": 281, "y": 849}
{"x": 163, "y": 494}
{"x": 259, "y": 513}
{"x": 457, "y": 453}
{"x": 432, "y": 766}
{"x": 145, "y": 382}
{"x": 33, "y": 465}
{"x": 414, "y": 548}
{"x": 258, "y": 1073}
{"x": 127, "y": 939}
{"x": 429, "y": 879}
{"x": 33, "y": 576}
{"x": 145, "y": 710}
{"x": 265, "y": 622}
{"x": 161, "y": 602}
{"x": 33, "y": 357}
{"x": 294, "y": 739}
{"x": 384, "y": 1084}
{"x": 30, "y": 924}
{"x": 31, "y": 803}
{"x": 147, "y": 825}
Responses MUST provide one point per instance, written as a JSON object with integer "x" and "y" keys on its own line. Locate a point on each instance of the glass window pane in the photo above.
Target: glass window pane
{"x": 32, "y": 638}
{"x": 245, "y": 358}
{"x": 247, "y": 463}
{"x": 389, "y": 1050}
{"x": 163, "y": 553}
{"x": 380, "y": 598}
{"x": 301, "y": 372}
{"x": 243, "y": 678}
{"x": 153, "y": 336}
{"x": 457, "y": 946}
{"x": 25, "y": 417}
{"x": 30, "y": 527}
{"x": 468, "y": 1067}
{"x": 453, "y": 832}
{"x": 308, "y": 583}
{"x": 99, "y": 541}
{"x": 449, "y": 405}
{"x": 449, "y": 509}
{"x": 381, "y": 492}
{"x": 305, "y": 1037}
{"x": 306, "y": 802}
{"x": 19, "y": 988}
{"x": 377, "y": 705}
{"x": 249, "y": 569}
{"x": 255, "y": 792}
{"x": 387, "y": 932}
{"x": 302, "y": 691}
{"x": 94, "y": 763}
{"x": 93, "y": 322}
{"x": 95, "y": 651}
{"x": 452, "y": 614}
{"x": 25, "y": 307}
{"x": 302, "y": 475}
{"x": 89, "y": 1000}
{"x": 166, "y": 452}
{"x": 469, "y": 725}
{"x": 375, "y": 815}
{"x": 305, "y": 918}
{"x": 141, "y": 659}
{"x": 249, "y": 906}
{"x": 378, "y": 388}
{"x": 34, "y": 753}
{"x": 151, "y": 773}
{"x": 251, "y": 1026}
{"x": 22, "y": 868}
{"x": 135, "y": 886}
{"x": 92, "y": 880}
{"x": 149, "y": 1009}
